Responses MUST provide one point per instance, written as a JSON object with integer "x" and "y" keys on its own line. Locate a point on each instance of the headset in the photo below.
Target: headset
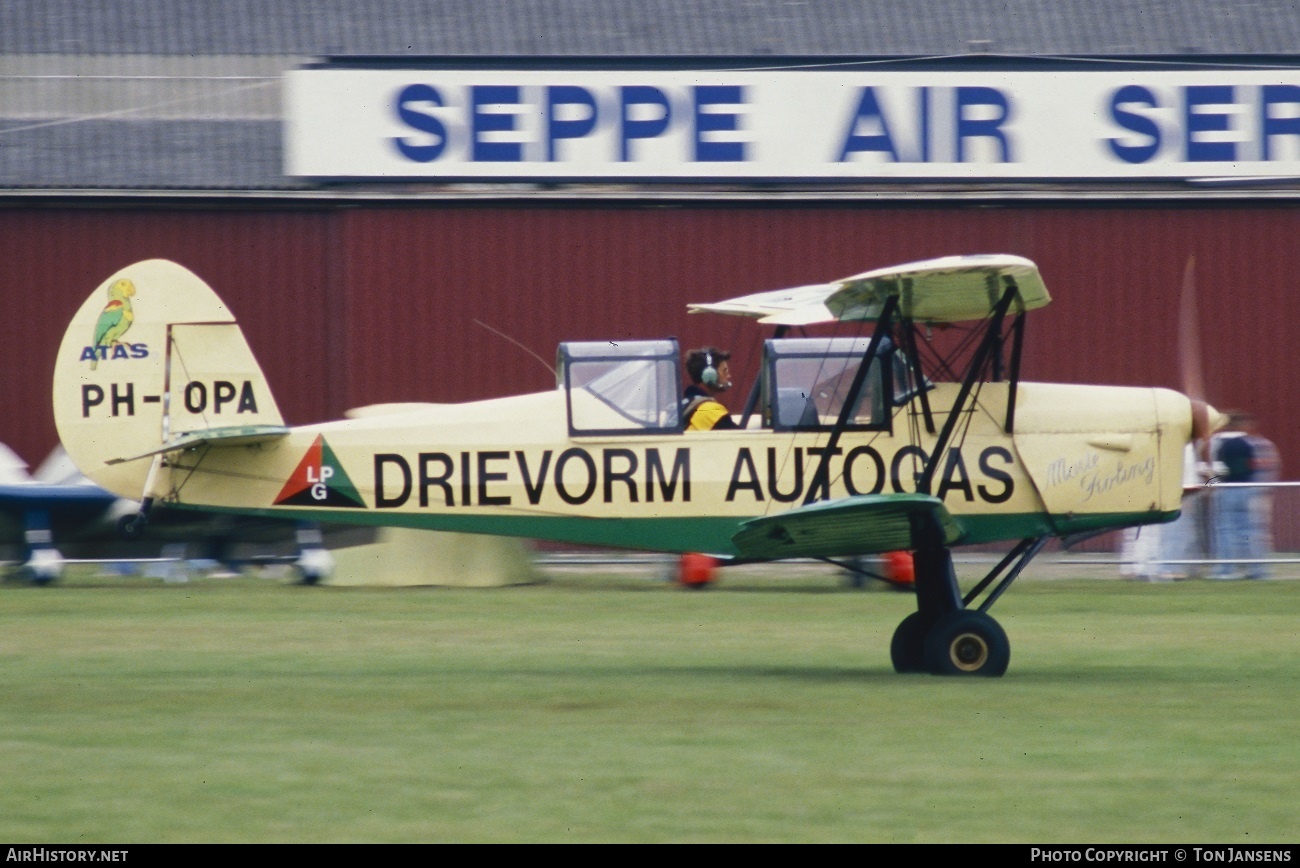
{"x": 709, "y": 376}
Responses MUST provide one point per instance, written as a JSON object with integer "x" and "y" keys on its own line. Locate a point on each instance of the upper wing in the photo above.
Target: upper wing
{"x": 859, "y": 525}
{"x": 802, "y": 305}
{"x": 948, "y": 289}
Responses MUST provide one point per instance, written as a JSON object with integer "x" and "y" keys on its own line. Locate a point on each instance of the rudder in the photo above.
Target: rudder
{"x": 152, "y": 354}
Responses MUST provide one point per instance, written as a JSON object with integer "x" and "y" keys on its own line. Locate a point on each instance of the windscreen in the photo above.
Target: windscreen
{"x": 625, "y": 387}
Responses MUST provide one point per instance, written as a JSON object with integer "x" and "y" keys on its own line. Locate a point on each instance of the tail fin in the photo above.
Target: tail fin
{"x": 152, "y": 356}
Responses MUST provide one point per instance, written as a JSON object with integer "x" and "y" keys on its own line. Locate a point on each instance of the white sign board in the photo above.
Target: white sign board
{"x": 480, "y": 124}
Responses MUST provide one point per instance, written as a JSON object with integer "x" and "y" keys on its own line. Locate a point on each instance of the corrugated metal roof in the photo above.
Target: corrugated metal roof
{"x": 97, "y": 154}
{"x": 648, "y": 27}
{"x": 184, "y": 94}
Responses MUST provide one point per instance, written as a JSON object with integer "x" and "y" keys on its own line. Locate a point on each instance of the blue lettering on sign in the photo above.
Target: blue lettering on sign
{"x": 711, "y": 96}
{"x": 483, "y": 122}
{"x": 868, "y": 114}
{"x": 414, "y": 107}
{"x": 1270, "y": 126}
{"x": 710, "y": 124}
{"x": 1207, "y": 116}
{"x": 572, "y": 128}
{"x": 1197, "y": 97}
{"x": 641, "y": 128}
{"x": 1134, "y": 95}
{"x": 981, "y": 127}
{"x": 980, "y": 113}
{"x": 923, "y": 114}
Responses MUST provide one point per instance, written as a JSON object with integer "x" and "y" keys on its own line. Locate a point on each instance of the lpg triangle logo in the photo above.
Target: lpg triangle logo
{"x": 320, "y": 481}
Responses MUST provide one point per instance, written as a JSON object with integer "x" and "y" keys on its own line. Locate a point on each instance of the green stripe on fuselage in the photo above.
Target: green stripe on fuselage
{"x": 709, "y": 534}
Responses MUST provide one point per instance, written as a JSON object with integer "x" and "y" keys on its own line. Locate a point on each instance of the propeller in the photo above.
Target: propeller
{"x": 1189, "y": 361}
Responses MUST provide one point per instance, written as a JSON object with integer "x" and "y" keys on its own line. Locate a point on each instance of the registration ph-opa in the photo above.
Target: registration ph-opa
{"x": 320, "y": 482}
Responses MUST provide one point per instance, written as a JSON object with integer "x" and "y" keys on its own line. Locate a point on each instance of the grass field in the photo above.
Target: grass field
{"x": 617, "y": 708}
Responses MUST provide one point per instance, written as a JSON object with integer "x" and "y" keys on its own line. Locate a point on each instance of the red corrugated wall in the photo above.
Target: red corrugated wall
{"x": 416, "y": 282}
{"x": 350, "y": 306}
{"x": 268, "y": 267}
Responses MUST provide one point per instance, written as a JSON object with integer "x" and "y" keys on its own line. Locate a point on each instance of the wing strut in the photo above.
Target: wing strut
{"x": 1017, "y": 344}
{"x": 987, "y": 347}
{"x": 1025, "y": 550}
{"x": 918, "y": 375}
{"x": 821, "y": 477}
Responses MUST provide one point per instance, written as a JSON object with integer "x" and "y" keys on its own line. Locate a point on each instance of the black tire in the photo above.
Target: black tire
{"x": 907, "y": 650}
{"x": 131, "y": 527}
{"x": 967, "y": 642}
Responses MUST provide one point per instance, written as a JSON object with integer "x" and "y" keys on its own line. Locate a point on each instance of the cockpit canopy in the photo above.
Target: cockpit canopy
{"x": 807, "y": 380}
{"x": 621, "y": 387}
{"x": 634, "y": 387}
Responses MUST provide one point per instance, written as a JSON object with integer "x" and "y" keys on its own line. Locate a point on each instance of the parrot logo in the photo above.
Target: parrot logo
{"x": 114, "y": 320}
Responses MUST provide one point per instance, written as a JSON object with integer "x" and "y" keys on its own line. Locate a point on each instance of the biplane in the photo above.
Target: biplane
{"x": 915, "y": 433}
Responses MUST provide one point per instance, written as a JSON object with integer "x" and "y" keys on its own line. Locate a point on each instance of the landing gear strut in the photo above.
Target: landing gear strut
{"x": 944, "y": 636}
{"x": 132, "y": 526}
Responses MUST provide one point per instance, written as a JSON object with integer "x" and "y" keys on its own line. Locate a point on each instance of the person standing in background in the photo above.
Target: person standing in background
{"x": 1243, "y": 509}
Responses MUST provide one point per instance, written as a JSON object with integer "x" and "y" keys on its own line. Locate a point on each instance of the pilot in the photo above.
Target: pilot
{"x": 710, "y": 371}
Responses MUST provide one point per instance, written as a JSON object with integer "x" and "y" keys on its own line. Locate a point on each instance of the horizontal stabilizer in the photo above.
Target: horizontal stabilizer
{"x": 235, "y": 435}
{"x": 860, "y": 525}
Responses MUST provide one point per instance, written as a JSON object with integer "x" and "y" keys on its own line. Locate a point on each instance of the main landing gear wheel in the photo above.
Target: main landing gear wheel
{"x": 907, "y": 650}
{"x": 131, "y": 527}
{"x": 966, "y": 642}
